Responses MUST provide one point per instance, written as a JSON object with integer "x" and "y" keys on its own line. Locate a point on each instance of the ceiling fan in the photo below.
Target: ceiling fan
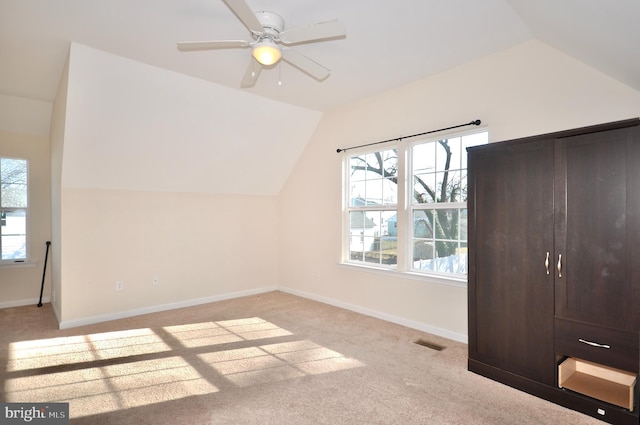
{"x": 269, "y": 41}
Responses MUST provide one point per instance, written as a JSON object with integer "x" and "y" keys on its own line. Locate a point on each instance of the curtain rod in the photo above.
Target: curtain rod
{"x": 398, "y": 139}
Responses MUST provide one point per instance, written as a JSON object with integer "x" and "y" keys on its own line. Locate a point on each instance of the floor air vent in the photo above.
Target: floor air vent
{"x": 430, "y": 344}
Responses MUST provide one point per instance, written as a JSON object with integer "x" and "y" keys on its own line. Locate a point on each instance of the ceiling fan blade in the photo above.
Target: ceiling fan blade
{"x": 251, "y": 74}
{"x": 245, "y": 14}
{"x": 208, "y": 45}
{"x": 319, "y": 31}
{"x": 305, "y": 64}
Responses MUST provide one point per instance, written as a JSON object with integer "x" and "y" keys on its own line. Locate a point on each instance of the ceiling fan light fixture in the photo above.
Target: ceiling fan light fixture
{"x": 266, "y": 52}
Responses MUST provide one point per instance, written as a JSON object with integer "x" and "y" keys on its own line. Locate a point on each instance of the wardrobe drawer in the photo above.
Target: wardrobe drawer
{"x": 606, "y": 346}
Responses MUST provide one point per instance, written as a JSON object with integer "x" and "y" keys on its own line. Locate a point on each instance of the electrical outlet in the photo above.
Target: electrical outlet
{"x": 155, "y": 280}
{"x": 119, "y": 285}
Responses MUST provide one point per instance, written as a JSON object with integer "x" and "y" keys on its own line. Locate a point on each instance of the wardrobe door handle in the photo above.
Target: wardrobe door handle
{"x": 546, "y": 263}
{"x": 559, "y": 265}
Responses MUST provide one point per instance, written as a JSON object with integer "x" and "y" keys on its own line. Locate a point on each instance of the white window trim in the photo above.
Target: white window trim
{"x": 403, "y": 269}
{"x": 27, "y": 261}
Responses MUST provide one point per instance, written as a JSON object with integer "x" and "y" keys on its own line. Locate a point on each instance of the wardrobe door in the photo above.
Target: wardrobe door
{"x": 597, "y": 228}
{"x": 510, "y": 237}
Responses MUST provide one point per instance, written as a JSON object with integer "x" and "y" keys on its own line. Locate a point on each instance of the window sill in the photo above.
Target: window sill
{"x": 440, "y": 280}
{"x": 16, "y": 264}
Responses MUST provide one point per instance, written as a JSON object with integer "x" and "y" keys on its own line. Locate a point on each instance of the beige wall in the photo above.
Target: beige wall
{"x": 146, "y": 188}
{"x": 58, "y": 118}
{"x": 21, "y": 285}
{"x": 527, "y": 90}
{"x": 199, "y": 246}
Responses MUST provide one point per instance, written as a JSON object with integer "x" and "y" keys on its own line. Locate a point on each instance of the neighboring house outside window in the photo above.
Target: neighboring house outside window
{"x": 13, "y": 210}
{"x": 415, "y": 224}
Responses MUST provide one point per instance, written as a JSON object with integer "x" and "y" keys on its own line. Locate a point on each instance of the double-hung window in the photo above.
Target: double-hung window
{"x": 13, "y": 209}
{"x": 406, "y": 206}
{"x": 372, "y": 210}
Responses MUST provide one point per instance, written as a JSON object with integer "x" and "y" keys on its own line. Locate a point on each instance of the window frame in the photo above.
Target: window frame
{"x": 26, "y": 259}
{"x": 405, "y": 208}
{"x": 382, "y": 207}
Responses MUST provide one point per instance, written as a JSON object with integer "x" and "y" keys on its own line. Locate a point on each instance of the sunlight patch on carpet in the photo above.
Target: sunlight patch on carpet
{"x": 109, "y": 371}
{"x": 95, "y": 390}
{"x": 277, "y": 362}
{"x": 226, "y": 331}
{"x": 51, "y": 352}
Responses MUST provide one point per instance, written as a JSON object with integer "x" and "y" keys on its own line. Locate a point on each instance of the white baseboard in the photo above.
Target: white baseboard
{"x": 380, "y": 315}
{"x": 20, "y": 303}
{"x": 189, "y": 303}
{"x": 163, "y": 307}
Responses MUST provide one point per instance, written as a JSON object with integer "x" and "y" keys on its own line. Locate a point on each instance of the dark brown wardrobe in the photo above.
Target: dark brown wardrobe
{"x": 554, "y": 267}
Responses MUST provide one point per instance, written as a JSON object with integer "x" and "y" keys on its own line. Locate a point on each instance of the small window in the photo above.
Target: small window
{"x": 13, "y": 209}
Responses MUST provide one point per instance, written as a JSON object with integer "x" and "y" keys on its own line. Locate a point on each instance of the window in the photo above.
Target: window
{"x": 13, "y": 209}
{"x": 373, "y": 200}
{"x": 430, "y": 203}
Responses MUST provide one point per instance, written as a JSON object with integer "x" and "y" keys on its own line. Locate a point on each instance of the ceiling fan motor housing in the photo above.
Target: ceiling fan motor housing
{"x": 272, "y": 23}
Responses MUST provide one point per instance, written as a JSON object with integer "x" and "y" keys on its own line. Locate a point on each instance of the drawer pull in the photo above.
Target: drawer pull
{"x": 594, "y": 344}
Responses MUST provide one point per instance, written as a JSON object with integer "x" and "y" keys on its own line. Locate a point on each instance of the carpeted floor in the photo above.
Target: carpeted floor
{"x": 267, "y": 359}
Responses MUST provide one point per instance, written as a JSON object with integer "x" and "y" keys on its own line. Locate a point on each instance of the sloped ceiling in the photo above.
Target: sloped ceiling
{"x": 388, "y": 43}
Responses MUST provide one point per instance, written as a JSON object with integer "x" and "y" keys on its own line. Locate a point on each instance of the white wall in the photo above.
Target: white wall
{"x": 527, "y": 90}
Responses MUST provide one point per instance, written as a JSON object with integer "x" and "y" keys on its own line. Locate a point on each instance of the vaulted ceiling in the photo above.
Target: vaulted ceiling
{"x": 388, "y": 42}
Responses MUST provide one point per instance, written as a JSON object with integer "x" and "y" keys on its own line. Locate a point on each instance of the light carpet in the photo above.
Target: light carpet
{"x": 272, "y": 358}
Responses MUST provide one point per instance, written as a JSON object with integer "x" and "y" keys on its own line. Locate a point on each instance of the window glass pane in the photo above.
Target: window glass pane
{"x": 390, "y": 162}
{"x": 448, "y": 186}
{"x": 13, "y": 231}
{"x": 446, "y": 252}
{"x": 445, "y": 159}
{"x": 463, "y": 228}
{"x": 456, "y": 153}
{"x": 422, "y": 251}
{"x": 373, "y": 237}
{"x": 423, "y": 188}
{"x": 357, "y": 195}
{"x": 424, "y": 158}
{"x": 389, "y": 192}
{"x": 464, "y": 188}
{"x": 423, "y": 224}
{"x": 373, "y": 192}
{"x": 13, "y": 181}
{"x": 373, "y": 179}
